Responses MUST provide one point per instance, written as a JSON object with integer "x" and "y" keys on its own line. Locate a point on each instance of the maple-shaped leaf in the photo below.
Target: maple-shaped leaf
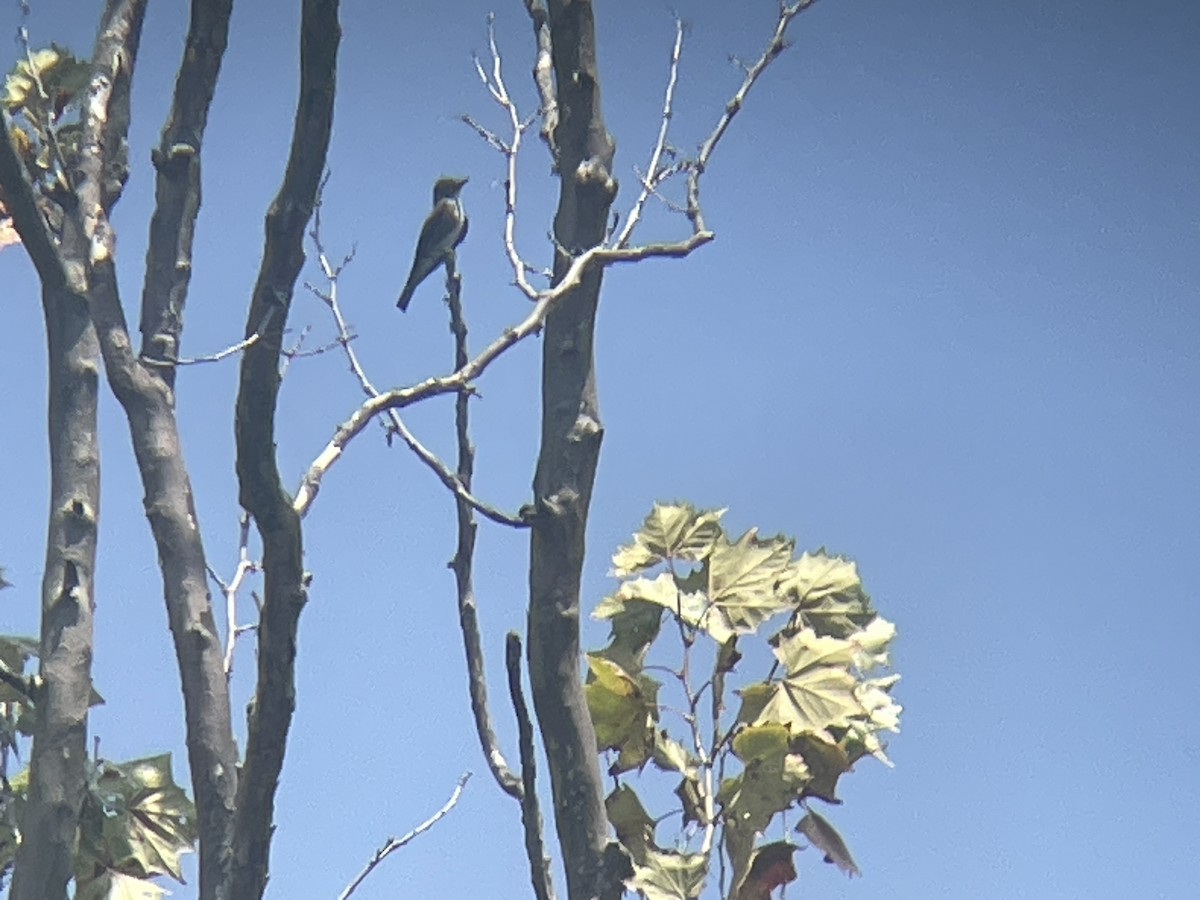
{"x": 828, "y": 591}
{"x": 814, "y": 700}
{"x": 671, "y": 531}
{"x": 771, "y": 867}
{"x": 825, "y": 838}
{"x": 667, "y": 875}
{"x": 743, "y": 584}
{"x": 624, "y": 709}
{"x": 135, "y": 821}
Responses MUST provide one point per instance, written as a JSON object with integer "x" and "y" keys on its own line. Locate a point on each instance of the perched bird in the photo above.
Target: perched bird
{"x": 444, "y": 229}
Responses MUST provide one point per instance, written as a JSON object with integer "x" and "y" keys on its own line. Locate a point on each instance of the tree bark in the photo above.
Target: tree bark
{"x": 570, "y": 448}
{"x": 58, "y": 761}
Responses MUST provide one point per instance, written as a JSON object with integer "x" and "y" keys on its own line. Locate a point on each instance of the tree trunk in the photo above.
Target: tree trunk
{"x": 570, "y": 449}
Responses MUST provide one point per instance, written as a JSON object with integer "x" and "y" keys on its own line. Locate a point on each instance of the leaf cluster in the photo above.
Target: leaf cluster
{"x": 136, "y": 822}
{"x": 819, "y": 708}
{"x": 39, "y": 93}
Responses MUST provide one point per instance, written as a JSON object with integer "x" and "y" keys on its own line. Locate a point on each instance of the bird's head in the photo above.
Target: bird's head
{"x": 447, "y": 187}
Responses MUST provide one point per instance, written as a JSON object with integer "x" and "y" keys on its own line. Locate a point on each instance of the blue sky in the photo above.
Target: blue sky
{"x": 948, "y": 327}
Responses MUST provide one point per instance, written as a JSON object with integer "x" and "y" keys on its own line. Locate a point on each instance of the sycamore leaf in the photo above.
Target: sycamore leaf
{"x": 623, "y": 709}
{"x": 760, "y": 741}
{"x": 669, "y": 532}
{"x": 825, "y": 838}
{"x": 671, "y": 756}
{"x": 766, "y": 786}
{"x": 667, "y": 875}
{"x": 754, "y": 698}
{"x": 804, "y": 649}
{"x": 829, "y": 592}
{"x": 135, "y": 821}
{"x": 743, "y": 580}
{"x": 771, "y": 867}
{"x": 814, "y": 700}
{"x": 634, "y": 628}
{"x": 633, "y": 825}
{"x": 872, "y": 642}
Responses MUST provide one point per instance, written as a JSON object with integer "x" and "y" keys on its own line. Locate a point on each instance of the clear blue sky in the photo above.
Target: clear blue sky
{"x": 949, "y": 327}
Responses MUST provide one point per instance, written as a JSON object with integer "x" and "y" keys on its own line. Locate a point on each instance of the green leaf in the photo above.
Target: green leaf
{"x": 667, "y": 875}
{"x": 669, "y": 532}
{"x": 635, "y": 627}
{"x": 136, "y": 821}
{"x": 814, "y": 700}
{"x": 633, "y": 825}
{"x": 829, "y": 592}
{"x": 826, "y": 762}
{"x": 624, "y": 710}
{"x": 761, "y": 741}
{"x": 768, "y": 785}
{"x": 743, "y": 584}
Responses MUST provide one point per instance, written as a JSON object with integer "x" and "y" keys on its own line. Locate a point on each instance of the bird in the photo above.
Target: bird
{"x": 444, "y": 229}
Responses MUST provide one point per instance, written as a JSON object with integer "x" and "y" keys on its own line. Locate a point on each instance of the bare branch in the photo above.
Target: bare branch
{"x": 499, "y": 91}
{"x": 775, "y": 46}
{"x": 464, "y": 553}
{"x": 229, "y": 589}
{"x": 531, "y": 813}
{"x": 394, "y": 844}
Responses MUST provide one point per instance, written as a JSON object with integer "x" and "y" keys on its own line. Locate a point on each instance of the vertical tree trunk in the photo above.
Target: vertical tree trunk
{"x": 570, "y": 449}
{"x": 58, "y": 775}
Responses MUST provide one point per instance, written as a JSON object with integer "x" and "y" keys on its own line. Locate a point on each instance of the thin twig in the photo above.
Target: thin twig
{"x": 649, "y": 182}
{"x": 394, "y": 844}
{"x": 229, "y": 351}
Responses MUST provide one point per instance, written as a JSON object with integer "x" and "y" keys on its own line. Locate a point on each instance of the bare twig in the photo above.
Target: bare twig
{"x": 531, "y": 814}
{"x": 229, "y": 590}
{"x": 394, "y": 844}
{"x": 775, "y": 46}
{"x": 229, "y": 351}
{"x": 653, "y": 176}
{"x": 494, "y": 82}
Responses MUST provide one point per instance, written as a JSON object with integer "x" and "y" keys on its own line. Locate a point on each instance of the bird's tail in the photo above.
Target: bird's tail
{"x": 406, "y": 296}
